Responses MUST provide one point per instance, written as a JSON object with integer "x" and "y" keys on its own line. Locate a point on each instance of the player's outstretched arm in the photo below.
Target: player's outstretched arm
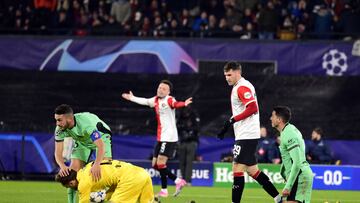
{"x": 188, "y": 101}
{"x": 139, "y": 100}
{"x": 127, "y": 96}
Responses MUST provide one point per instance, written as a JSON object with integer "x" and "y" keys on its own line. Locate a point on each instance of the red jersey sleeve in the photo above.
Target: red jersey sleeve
{"x": 245, "y": 95}
{"x": 175, "y": 104}
{"x": 247, "y": 98}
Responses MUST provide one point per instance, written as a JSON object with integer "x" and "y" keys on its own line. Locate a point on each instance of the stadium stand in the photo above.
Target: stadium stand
{"x": 252, "y": 19}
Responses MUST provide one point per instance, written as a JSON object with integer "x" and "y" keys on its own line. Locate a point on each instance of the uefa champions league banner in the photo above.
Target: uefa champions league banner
{"x": 28, "y": 153}
{"x": 202, "y": 173}
{"x": 175, "y": 57}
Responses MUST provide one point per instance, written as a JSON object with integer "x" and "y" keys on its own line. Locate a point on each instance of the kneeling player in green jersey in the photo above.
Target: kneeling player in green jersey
{"x": 294, "y": 168}
{"x": 89, "y": 133}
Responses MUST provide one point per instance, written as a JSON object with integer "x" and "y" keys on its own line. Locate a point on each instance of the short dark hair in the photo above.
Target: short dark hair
{"x": 232, "y": 65}
{"x": 63, "y": 109}
{"x": 65, "y": 180}
{"x": 168, "y": 83}
{"x": 318, "y": 130}
{"x": 283, "y": 112}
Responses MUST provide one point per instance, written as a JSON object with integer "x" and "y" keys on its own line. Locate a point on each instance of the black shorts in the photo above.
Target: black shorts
{"x": 167, "y": 149}
{"x": 293, "y": 191}
{"x": 244, "y": 152}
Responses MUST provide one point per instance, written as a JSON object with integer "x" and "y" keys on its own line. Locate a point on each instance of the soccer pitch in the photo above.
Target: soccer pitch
{"x": 45, "y": 192}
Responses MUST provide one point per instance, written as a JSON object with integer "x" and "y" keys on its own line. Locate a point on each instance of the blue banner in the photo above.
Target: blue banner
{"x": 327, "y": 177}
{"x": 32, "y": 153}
{"x": 174, "y": 57}
{"x": 202, "y": 172}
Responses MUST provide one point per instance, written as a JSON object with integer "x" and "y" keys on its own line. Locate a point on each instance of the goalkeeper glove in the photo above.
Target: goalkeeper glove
{"x": 225, "y": 128}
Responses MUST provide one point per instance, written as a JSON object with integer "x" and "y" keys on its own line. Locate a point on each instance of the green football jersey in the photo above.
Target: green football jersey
{"x": 85, "y": 124}
{"x": 292, "y": 149}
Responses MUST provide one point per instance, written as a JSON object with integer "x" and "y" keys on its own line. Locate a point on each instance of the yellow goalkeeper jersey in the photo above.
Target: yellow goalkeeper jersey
{"x": 113, "y": 173}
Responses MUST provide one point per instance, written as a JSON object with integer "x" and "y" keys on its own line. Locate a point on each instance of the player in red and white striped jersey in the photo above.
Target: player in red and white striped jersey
{"x": 246, "y": 123}
{"x": 167, "y": 135}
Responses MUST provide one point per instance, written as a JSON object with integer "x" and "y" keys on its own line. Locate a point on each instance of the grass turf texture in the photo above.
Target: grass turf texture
{"x": 41, "y": 192}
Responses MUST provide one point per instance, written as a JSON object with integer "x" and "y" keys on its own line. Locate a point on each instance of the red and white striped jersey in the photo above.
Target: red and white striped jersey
{"x": 242, "y": 94}
{"x": 165, "y": 116}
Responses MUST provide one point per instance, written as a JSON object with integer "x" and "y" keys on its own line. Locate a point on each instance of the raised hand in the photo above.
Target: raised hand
{"x": 127, "y": 96}
{"x": 188, "y": 101}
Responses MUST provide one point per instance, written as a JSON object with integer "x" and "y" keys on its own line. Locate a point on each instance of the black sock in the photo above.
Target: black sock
{"x": 238, "y": 187}
{"x": 263, "y": 180}
{"x": 171, "y": 175}
{"x": 163, "y": 177}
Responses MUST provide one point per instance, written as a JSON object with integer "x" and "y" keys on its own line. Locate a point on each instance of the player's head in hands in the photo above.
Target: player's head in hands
{"x": 68, "y": 181}
{"x": 64, "y": 116}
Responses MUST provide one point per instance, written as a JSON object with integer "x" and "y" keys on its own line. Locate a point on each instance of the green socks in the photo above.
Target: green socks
{"x": 71, "y": 195}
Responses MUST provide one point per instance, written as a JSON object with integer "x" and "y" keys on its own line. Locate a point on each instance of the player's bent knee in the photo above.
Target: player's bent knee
{"x": 238, "y": 167}
{"x": 161, "y": 159}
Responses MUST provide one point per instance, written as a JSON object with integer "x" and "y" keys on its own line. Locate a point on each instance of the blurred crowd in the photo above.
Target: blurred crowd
{"x": 245, "y": 19}
{"x": 317, "y": 149}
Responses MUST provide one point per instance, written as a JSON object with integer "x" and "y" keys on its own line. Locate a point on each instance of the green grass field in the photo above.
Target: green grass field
{"x": 50, "y": 192}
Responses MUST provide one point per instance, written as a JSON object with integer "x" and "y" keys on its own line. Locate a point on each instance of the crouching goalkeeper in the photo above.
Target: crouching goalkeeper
{"x": 124, "y": 182}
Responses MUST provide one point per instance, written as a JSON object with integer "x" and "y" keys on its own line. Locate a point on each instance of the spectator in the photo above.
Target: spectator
{"x": 248, "y": 17}
{"x": 137, "y": 22}
{"x": 233, "y": 18}
{"x": 248, "y": 33}
{"x": 223, "y": 29}
{"x": 173, "y": 30}
{"x": 185, "y": 23}
{"x": 268, "y": 21}
{"x": 168, "y": 19}
{"x": 267, "y": 151}
{"x": 83, "y": 27}
{"x": 317, "y": 151}
{"x": 62, "y": 23}
{"x": 200, "y": 21}
{"x": 212, "y": 27}
{"x": 159, "y": 29}
{"x": 323, "y": 22}
{"x": 120, "y": 9}
{"x": 145, "y": 28}
{"x": 188, "y": 125}
{"x": 301, "y": 31}
{"x": 44, "y": 12}
{"x": 348, "y": 21}
{"x": 111, "y": 26}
